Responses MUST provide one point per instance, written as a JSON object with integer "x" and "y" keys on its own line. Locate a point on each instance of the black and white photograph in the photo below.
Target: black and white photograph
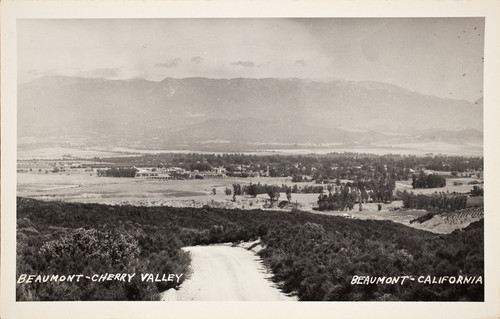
{"x": 283, "y": 159}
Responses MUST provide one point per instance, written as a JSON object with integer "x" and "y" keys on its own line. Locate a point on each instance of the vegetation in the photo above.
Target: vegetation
{"x": 345, "y": 196}
{"x": 428, "y": 181}
{"x": 342, "y": 199}
{"x": 340, "y": 195}
{"x": 423, "y": 218}
{"x": 352, "y": 166}
{"x": 274, "y": 193}
{"x": 314, "y": 256}
{"x": 477, "y": 191}
{"x": 317, "y": 260}
{"x": 237, "y": 189}
{"x": 55, "y": 238}
{"x": 441, "y": 201}
{"x": 256, "y": 189}
{"x": 117, "y": 172}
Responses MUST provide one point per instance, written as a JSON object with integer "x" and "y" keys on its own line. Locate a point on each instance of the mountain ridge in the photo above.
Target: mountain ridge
{"x": 326, "y": 81}
{"x": 336, "y": 111}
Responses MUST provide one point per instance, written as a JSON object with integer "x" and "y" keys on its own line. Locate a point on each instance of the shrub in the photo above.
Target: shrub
{"x": 476, "y": 191}
{"x": 311, "y": 255}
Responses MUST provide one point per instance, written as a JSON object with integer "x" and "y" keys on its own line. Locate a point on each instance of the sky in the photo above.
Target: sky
{"x": 434, "y": 56}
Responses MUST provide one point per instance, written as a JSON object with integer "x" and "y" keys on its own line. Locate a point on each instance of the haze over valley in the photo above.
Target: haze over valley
{"x": 243, "y": 114}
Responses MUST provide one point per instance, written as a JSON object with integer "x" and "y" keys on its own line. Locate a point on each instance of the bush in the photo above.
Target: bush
{"x": 422, "y": 218}
{"x": 476, "y": 191}
{"x": 311, "y": 255}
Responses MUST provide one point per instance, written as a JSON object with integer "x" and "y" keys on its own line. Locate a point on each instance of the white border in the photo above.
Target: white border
{"x": 11, "y": 10}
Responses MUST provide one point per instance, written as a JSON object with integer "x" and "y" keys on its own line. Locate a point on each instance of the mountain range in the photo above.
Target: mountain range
{"x": 243, "y": 110}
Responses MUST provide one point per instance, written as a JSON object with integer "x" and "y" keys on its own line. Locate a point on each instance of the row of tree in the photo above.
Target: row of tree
{"x": 434, "y": 201}
{"x": 340, "y": 196}
{"x": 117, "y": 172}
{"x": 257, "y": 189}
{"x": 339, "y": 200}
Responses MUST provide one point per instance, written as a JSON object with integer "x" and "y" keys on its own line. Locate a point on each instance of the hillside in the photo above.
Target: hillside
{"x": 312, "y": 256}
{"x": 244, "y": 110}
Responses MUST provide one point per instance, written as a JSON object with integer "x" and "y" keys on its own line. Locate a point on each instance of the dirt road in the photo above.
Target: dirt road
{"x": 225, "y": 273}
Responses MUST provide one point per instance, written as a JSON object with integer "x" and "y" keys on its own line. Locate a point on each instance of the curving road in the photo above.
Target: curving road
{"x": 225, "y": 273}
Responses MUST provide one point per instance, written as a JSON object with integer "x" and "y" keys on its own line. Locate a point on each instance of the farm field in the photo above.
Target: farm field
{"x": 68, "y": 186}
{"x": 445, "y": 223}
{"x": 450, "y": 187}
{"x": 107, "y": 189}
{"x": 85, "y": 188}
{"x": 57, "y": 152}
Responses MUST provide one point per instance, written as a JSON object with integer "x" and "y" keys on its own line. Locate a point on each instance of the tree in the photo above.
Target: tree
{"x": 228, "y": 191}
{"x": 252, "y": 190}
{"x": 428, "y": 181}
{"x": 273, "y": 192}
{"x": 329, "y": 187}
{"x": 288, "y": 191}
{"x": 214, "y": 191}
{"x": 476, "y": 191}
{"x": 273, "y": 172}
{"x": 236, "y": 189}
{"x": 434, "y": 181}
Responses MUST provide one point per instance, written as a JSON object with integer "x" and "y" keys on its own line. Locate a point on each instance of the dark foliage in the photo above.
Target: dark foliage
{"x": 340, "y": 200}
{"x": 316, "y": 260}
{"x": 423, "y": 218}
{"x": 117, "y": 172}
{"x": 319, "y": 167}
{"x": 437, "y": 201}
{"x": 477, "y": 191}
{"x": 345, "y": 196}
{"x": 256, "y": 189}
{"x": 311, "y": 255}
{"x": 428, "y": 181}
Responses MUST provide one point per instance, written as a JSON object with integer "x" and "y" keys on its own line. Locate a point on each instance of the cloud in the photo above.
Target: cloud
{"x": 301, "y": 62}
{"x": 197, "y": 59}
{"x": 173, "y": 63}
{"x": 246, "y": 64}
